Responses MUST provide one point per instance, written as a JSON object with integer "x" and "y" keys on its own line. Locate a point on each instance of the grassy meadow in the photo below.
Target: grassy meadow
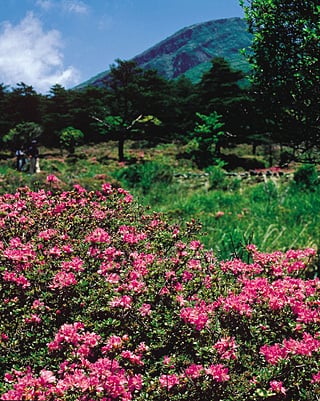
{"x": 273, "y": 213}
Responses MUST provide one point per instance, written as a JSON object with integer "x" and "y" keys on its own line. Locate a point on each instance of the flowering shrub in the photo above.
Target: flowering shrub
{"x": 101, "y": 300}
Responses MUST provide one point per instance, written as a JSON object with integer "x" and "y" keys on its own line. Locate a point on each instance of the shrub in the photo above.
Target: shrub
{"x": 306, "y": 177}
{"x": 69, "y": 138}
{"x": 145, "y": 175}
{"x": 100, "y": 300}
{"x": 217, "y": 177}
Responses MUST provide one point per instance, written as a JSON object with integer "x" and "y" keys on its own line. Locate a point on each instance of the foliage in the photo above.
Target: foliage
{"x": 219, "y": 86}
{"x": 286, "y": 66}
{"x": 120, "y": 128}
{"x": 22, "y": 134}
{"x": 145, "y": 175}
{"x": 306, "y": 177}
{"x": 204, "y": 147}
{"x": 69, "y": 138}
{"x": 101, "y": 300}
{"x": 217, "y": 177}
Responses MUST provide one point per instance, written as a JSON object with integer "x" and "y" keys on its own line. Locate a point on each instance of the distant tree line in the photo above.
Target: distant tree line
{"x": 128, "y": 93}
{"x": 278, "y": 104}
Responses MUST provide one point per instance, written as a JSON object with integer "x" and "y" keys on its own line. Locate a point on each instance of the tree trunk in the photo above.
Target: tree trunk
{"x": 121, "y": 147}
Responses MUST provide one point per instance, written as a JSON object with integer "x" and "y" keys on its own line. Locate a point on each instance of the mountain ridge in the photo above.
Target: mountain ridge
{"x": 189, "y": 51}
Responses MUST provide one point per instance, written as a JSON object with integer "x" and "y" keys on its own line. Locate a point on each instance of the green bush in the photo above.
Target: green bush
{"x": 306, "y": 177}
{"x": 69, "y": 138}
{"x": 145, "y": 175}
{"x": 217, "y": 177}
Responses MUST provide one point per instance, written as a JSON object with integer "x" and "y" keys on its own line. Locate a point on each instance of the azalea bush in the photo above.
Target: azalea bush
{"x": 104, "y": 300}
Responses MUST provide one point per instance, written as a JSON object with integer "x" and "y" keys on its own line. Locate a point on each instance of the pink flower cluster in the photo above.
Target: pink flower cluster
{"x": 99, "y": 235}
{"x": 226, "y": 347}
{"x": 17, "y": 279}
{"x": 197, "y": 315}
{"x": 217, "y": 372}
{"x": 104, "y": 378}
{"x": 63, "y": 279}
{"x": 306, "y": 347}
{"x": 130, "y": 235}
{"x": 103, "y": 269}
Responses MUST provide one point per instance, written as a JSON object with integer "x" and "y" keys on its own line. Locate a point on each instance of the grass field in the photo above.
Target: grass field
{"x": 273, "y": 213}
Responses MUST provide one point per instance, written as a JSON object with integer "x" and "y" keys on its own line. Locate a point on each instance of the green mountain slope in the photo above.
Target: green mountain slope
{"x": 190, "y": 50}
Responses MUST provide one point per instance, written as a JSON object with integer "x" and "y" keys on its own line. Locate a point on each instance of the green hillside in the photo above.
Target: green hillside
{"x": 189, "y": 51}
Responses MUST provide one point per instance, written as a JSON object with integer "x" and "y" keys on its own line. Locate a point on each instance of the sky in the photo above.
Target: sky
{"x": 66, "y": 42}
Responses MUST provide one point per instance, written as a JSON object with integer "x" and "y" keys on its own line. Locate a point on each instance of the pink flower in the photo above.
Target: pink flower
{"x": 47, "y": 377}
{"x": 79, "y": 188}
{"x": 52, "y": 178}
{"x": 218, "y": 372}
{"x": 107, "y": 188}
{"x": 167, "y": 360}
{"x": 47, "y": 234}
{"x": 195, "y": 245}
{"x": 145, "y": 310}
{"x": 99, "y": 235}
{"x": 316, "y": 378}
{"x": 226, "y": 347}
{"x": 124, "y": 302}
{"x": 277, "y": 387}
{"x": 113, "y": 343}
{"x": 168, "y": 381}
{"x": 273, "y": 353}
{"x": 63, "y": 279}
{"x": 34, "y": 318}
{"x": 14, "y": 278}
{"x": 219, "y": 214}
{"x": 194, "y": 371}
{"x": 133, "y": 358}
{"x": 197, "y": 316}
{"x": 75, "y": 264}
{"x": 55, "y": 251}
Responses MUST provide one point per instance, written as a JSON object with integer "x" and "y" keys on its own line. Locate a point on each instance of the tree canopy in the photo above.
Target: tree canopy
{"x": 285, "y": 56}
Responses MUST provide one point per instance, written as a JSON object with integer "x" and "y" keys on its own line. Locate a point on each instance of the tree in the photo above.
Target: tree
{"x": 25, "y": 104}
{"x": 86, "y": 102}
{"x": 219, "y": 86}
{"x": 70, "y": 138}
{"x": 5, "y": 110}
{"x": 22, "y": 134}
{"x": 184, "y": 103}
{"x": 132, "y": 95}
{"x": 204, "y": 147}
{"x": 58, "y": 113}
{"x": 221, "y": 89}
{"x": 115, "y": 125}
{"x": 285, "y": 56}
{"x": 123, "y": 83}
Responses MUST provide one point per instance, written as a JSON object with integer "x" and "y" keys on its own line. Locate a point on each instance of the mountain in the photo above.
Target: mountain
{"x": 189, "y": 51}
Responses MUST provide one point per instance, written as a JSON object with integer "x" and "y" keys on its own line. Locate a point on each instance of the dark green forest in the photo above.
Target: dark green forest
{"x": 129, "y": 93}
{"x": 130, "y": 103}
{"x": 276, "y": 103}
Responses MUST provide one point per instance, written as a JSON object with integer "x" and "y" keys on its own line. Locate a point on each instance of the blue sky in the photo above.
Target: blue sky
{"x": 44, "y": 42}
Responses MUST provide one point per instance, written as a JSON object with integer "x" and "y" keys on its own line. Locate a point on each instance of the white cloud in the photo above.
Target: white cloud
{"x": 45, "y": 4}
{"x": 30, "y": 55}
{"x": 67, "y": 6}
{"x": 75, "y": 6}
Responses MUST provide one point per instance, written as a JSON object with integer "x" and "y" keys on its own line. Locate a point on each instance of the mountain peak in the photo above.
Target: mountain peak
{"x": 190, "y": 50}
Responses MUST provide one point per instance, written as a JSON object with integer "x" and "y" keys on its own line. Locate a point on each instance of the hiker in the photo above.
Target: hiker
{"x": 33, "y": 154}
{"x": 21, "y": 158}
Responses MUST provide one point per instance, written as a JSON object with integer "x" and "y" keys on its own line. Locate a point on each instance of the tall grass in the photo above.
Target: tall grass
{"x": 269, "y": 215}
